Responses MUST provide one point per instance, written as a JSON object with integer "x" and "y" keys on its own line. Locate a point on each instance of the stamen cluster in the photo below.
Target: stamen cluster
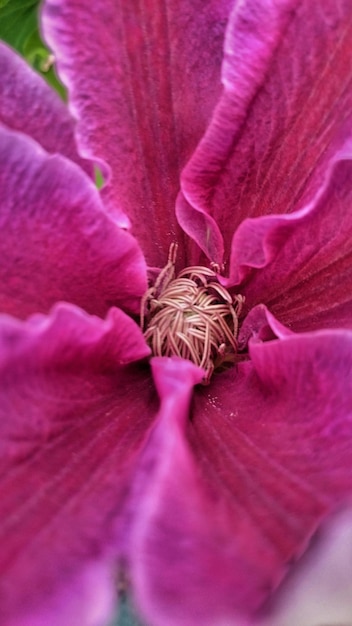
{"x": 191, "y": 316}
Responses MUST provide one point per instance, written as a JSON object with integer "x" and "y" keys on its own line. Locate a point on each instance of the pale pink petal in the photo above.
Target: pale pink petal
{"x": 287, "y": 77}
{"x": 318, "y": 592}
{"x": 300, "y": 265}
{"x": 89, "y": 599}
{"x": 29, "y": 105}
{"x": 143, "y": 79}
{"x": 237, "y": 491}
{"x": 74, "y": 413}
{"x": 57, "y": 243}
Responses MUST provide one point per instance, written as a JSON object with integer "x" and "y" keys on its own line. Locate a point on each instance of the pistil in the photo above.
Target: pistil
{"x": 192, "y": 316}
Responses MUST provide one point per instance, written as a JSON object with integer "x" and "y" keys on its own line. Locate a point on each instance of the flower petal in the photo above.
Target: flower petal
{"x": 74, "y": 414}
{"x": 146, "y": 108}
{"x": 319, "y": 591}
{"x": 287, "y": 77}
{"x": 29, "y": 105}
{"x": 260, "y": 325}
{"x": 57, "y": 243}
{"x": 88, "y": 600}
{"x": 268, "y": 456}
{"x": 164, "y": 454}
{"x": 300, "y": 265}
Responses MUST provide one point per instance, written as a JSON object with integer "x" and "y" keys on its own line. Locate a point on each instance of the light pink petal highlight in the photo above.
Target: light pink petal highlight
{"x": 89, "y": 599}
{"x": 319, "y": 589}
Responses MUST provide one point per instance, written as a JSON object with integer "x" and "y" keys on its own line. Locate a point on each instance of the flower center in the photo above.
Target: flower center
{"x": 191, "y": 316}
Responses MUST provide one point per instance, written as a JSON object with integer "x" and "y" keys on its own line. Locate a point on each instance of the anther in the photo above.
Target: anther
{"x": 192, "y": 316}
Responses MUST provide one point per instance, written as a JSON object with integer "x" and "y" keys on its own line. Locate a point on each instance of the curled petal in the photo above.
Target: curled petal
{"x": 202, "y": 228}
{"x": 57, "y": 243}
{"x": 287, "y": 78}
{"x": 260, "y": 325}
{"x": 75, "y": 408}
{"x": 29, "y": 105}
{"x": 299, "y": 265}
{"x": 239, "y": 489}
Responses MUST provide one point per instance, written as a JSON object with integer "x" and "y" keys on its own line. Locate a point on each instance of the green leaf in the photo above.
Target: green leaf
{"x": 18, "y": 20}
{"x": 19, "y": 28}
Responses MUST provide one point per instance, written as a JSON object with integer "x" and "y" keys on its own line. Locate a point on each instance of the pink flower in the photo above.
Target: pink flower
{"x": 196, "y": 498}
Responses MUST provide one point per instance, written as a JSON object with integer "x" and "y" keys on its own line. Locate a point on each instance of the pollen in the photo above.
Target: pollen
{"x": 192, "y": 316}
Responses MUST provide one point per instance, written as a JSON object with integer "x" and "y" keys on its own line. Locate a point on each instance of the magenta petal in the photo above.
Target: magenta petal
{"x": 300, "y": 265}
{"x": 287, "y": 94}
{"x": 88, "y": 599}
{"x": 74, "y": 412}
{"x": 146, "y": 108}
{"x": 260, "y": 325}
{"x": 29, "y": 105}
{"x": 57, "y": 243}
{"x": 203, "y": 229}
{"x": 237, "y": 491}
{"x": 166, "y": 454}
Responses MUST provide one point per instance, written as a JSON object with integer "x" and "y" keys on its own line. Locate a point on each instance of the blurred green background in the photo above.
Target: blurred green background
{"x": 19, "y": 27}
